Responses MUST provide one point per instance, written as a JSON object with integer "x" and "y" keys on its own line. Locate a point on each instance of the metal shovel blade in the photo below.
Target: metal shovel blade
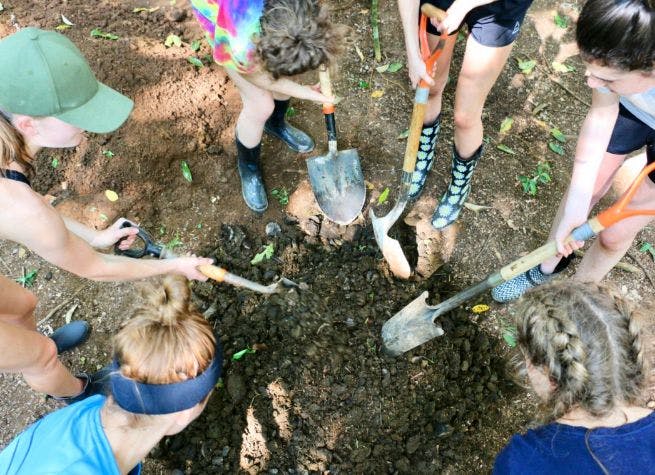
{"x": 390, "y": 247}
{"x": 411, "y": 327}
{"x": 338, "y": 184}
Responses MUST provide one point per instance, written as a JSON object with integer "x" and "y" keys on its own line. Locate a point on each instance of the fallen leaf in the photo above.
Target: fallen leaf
{"x": 67, "y": 21}
{"x": 377, "y": 94}
{"x": 480, "y": 308}
{"x": 359, "y": 53}
{"x": 195, "y": 61}
{"x": 562, "y": 68}
{"x": 506, "y": 125}
{"x": 383, "y": 196}
{"x": 555, "y": 147}
{"x": 404, "y": 134}
{"x": 173, "y": 40}
{"x": 505, "y": 149}
{"x": 475, "y": 208}
{"x": 558, "y": 135}
{"x": 111, "y": 195}
{"x": 395, "y": 67}
{"x": 383, "y": 68}
{"x": 186, "y": 171}
{"x": 69, "y": 313}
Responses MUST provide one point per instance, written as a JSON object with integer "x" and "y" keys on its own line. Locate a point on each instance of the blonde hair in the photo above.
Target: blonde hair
{"x": 588, "y": 339}
{"x": 167, "y": 340}
{"x": 12, "y": 145}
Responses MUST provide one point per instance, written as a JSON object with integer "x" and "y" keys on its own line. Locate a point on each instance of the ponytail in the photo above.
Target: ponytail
{"x": 12, "y": 146}
{"x": 167, "y": 340}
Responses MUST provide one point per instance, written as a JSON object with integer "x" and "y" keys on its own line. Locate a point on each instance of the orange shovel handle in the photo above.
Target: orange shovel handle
{"x": 618, "y": 210}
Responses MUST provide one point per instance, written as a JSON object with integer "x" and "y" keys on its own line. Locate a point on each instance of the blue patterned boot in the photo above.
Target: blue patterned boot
{"x": 424, "y": 157}
{"x": 453, "y": 200}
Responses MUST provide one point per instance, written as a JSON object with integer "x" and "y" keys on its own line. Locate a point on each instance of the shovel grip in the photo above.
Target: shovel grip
{"x": 213, "y": 272}
{"x": 431, "y": 11}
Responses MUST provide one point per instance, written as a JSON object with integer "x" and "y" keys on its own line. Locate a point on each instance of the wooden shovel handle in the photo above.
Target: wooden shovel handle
{"x": 326, "y": 88}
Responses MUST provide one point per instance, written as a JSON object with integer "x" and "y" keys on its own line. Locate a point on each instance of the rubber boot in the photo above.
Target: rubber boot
{"x": 514, "y": 288}
{"x": 71, "y": 335}
{"x": 424, "y": 157}
{"x": 277, "y": 126}
{"x": 250, "y": 172}
{"x": 96, "y": 383}
{"x": 453, "y": 200}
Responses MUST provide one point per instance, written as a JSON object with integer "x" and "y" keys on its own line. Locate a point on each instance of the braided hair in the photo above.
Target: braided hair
{"x": 587, "y": 338}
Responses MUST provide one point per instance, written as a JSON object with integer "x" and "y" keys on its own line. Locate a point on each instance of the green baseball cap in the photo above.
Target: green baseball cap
{"x": 45, "y": 75}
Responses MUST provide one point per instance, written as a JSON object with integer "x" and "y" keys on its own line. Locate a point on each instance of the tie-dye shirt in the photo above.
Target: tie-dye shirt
{"x": 230, "y": 26}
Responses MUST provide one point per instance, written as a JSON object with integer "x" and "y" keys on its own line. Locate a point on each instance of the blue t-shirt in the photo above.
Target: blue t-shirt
{"x": 641, "y": 105}
{"x": 68, "y": 441}
{"x": 561, "y": 449}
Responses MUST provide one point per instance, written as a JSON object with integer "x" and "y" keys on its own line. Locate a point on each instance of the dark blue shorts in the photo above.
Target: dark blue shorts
{"x": 495, "y": 24}
{"x": 631, "y": 134}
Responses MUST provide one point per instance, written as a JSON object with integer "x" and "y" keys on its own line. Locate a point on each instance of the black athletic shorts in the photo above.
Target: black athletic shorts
{"x": 495, "y": 24}
{"x": 631, "y": 134}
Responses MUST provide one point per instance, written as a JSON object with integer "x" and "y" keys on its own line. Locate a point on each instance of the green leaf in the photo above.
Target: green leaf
{"x": 383, "y": 196}
{"x": 195, "y": 45}
{"x": 173, "y": 243}
{"x": 526, "y": 66}
{"x": 266, "y": 254}
{"x": 240, "y": 354}
{"x": 186, "y": 171}
{"x": 505, "y": 149}
{"x": 62, "y": 27}
{"x": 108, "y": 153}
{"x": 55, "y": 162}
{"x": 195, "y": 61}
{"x": 506, "y": 125}
{"x": 561, "y": 21}
{"x": 282, "y": 195}
{"x": 403, "y": 135}
{"x": 28, "y": 279}
{"x": 173, "y": 40}
{"x": 363, "y": 84}
{"x": 562, "y": 68}
{"x": 555, "y": 147}
{"x": 395, "y": 67}
{"x": 509, "y": 335}
{"x": 291, "y": 112}
{"x": 98, "y": 33}
{"x": 558, "y": 135}
{"x": 648, "y": 247}
{"x": 383, "y": 68}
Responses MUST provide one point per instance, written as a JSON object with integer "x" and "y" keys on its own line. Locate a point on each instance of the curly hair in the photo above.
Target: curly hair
{"x": 297, "y": 36}
{"x": 588, "y": 339}
{"x": 618, "y": 33}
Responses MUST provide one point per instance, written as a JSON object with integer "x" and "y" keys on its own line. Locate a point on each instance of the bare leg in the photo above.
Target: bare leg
{"x": 480, "y": 69}
{"x": 257, "y": 107}
{"x": 614, "y": 242}
{"x": 608, "y": 169}
{"x": 440, "y": 77}
{"x": 26, "y": 351}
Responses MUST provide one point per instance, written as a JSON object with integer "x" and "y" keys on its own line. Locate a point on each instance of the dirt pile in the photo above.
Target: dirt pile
{"x": 317, "y": 394}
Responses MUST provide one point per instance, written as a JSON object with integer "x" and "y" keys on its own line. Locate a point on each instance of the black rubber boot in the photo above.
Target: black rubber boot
{"x": 424, "y": 157}
{"x": 277, "y": 126}
{"x": 96, "y": 383}
{"x": 250, "y": 172}
{"x": 453, "y": 200}
{"x": 71, "y": 335}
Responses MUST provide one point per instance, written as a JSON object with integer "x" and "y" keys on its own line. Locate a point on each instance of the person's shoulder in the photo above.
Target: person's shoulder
{"x": 523, "y": 453}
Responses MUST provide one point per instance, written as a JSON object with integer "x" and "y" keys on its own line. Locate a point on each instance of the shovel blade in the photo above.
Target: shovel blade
{"x": 412, "y": 326}
{"x": 391, "y": 249}
{"x": 338, "y": 185}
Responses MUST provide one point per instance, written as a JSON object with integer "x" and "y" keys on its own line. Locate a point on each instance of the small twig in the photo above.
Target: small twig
{"x": 375, "y": 27}
{"x": 573, "y": 94}
{"x": 641, "y": 266}
{"x": 24, "y": 281}
{"x": 61, "y": 305}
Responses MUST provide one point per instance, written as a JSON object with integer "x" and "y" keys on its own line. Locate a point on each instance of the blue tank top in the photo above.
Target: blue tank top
{"x": 68, "y": 441}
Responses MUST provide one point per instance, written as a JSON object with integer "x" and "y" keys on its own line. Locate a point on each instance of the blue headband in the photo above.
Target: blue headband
{"x": 156, "y": 399}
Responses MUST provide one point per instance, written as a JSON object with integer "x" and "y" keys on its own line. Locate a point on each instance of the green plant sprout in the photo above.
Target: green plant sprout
{"x": 541, "y": 176}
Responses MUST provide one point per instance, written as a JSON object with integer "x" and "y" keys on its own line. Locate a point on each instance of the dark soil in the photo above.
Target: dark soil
{"x": 317, "y": 396}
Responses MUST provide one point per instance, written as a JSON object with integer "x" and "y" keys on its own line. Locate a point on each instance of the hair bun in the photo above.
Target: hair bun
{"x": 169, "y": 301}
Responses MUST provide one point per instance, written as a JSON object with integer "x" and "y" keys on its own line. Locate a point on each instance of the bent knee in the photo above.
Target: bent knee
{"x": 45, "y": 356}
{"x": 466, "y": 120}
{"x": 614, "y": 241}
{"x": 259, "y": 109}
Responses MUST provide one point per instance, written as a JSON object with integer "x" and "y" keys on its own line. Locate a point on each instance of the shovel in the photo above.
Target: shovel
{"x": 336, "y": 178}
{"x": 150, "y": 248}
{"x": 414, "y": 324}
{"x": 390, "y": 248}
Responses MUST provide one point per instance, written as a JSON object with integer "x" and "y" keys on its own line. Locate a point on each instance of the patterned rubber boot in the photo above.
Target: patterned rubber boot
{"x": 277, "y": 126}
{"x": 453, "y": 200}
{"x": 514, "y": 288}
{"x": 424, "y": 157}
{"x": 250, "y": 172}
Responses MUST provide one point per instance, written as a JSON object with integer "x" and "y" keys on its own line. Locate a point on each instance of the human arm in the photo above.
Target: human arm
{"x": 408, "y": 10}
{"x": 39, "y": 227}
{"x": 286, "y": 87}
{"x": 456, "y": 13}
{"x": 592, "y": 145}
{"x": 105, "y": 238}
